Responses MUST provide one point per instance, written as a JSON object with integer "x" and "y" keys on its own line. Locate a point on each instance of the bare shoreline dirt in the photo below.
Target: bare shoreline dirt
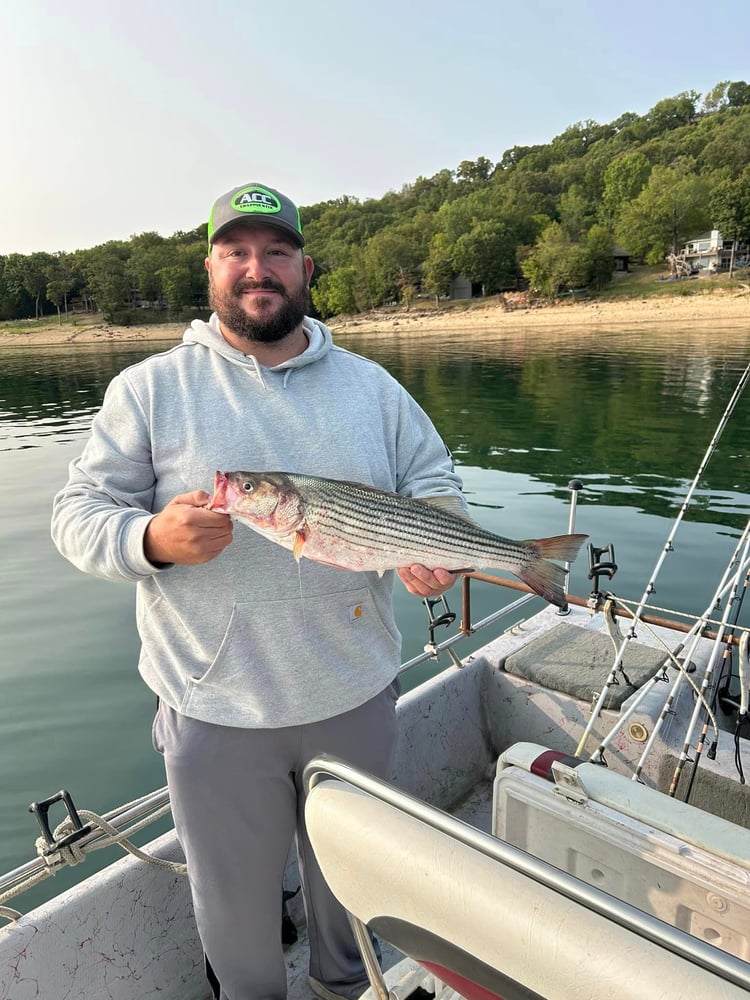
{"x": 718, "y": 308}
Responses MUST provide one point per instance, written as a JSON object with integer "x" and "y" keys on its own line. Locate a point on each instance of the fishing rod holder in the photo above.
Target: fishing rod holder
{"x": 600, "y": 568}
{"x": 445, "y": 619}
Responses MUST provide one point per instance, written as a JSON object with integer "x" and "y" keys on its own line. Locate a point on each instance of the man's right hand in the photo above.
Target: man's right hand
{"x": 184, "y": 532}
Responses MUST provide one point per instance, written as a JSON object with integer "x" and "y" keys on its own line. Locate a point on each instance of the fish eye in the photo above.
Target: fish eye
{"x": 247, "y": 486}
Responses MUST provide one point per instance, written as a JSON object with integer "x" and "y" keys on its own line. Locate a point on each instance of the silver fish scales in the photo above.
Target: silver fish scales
{"x": 358, "y": 527}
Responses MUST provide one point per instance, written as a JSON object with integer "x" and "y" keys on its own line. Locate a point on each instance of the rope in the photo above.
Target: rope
{"x": 73, "y": 854}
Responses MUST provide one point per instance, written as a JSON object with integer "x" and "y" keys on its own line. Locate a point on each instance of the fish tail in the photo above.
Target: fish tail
{"x": 546, "y": 578}
{"x": 564, "y": 547}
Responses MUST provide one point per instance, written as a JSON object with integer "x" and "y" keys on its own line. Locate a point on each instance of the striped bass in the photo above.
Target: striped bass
{"x": 357, "y": 527}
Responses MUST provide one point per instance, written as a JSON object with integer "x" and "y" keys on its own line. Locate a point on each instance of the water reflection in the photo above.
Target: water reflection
{"x": 54, "y": 392}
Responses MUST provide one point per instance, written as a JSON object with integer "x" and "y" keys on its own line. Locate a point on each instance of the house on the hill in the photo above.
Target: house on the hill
{"x": 621, "y": 260}
{"x": 710, "y": 252}
{"x": 463, "y": 288}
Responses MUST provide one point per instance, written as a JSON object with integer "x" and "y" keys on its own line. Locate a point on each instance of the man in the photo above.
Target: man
{"x": 259, "y": 663}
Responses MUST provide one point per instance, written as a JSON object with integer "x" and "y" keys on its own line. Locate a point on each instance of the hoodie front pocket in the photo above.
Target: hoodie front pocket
{"x": 288, "y": 662}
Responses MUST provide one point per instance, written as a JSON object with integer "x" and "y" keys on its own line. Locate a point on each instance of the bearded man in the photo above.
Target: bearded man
{"x": 258, "y": 662}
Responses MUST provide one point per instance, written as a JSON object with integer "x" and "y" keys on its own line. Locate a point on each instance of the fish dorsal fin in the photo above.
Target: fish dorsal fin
{"x": 451, "y": 504}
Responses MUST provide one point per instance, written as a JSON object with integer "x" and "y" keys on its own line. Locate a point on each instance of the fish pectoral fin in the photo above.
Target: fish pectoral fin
{"x": 299, "y": 543}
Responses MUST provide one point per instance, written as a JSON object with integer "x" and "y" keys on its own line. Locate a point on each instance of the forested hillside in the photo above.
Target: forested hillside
{"x": 548, "y": 216}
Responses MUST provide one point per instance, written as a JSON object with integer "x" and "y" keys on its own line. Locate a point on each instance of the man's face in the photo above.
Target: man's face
{"x": 258, "y": 282}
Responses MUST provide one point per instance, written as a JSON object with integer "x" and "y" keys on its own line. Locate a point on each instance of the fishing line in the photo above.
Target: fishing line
{"x": 668, "y": 547}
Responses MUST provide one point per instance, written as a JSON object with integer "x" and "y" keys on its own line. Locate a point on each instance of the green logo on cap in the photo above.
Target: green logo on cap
{"x": 256, "y": 199}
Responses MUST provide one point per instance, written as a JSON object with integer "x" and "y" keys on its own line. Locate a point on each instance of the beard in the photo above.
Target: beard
{"x": 270, "y": 328}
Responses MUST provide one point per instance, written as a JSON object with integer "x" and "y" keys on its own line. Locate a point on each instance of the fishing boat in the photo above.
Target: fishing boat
{"x": 568, "y": 818}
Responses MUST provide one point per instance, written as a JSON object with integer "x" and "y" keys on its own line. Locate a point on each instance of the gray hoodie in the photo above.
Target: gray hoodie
{"x": 251, "y": 638}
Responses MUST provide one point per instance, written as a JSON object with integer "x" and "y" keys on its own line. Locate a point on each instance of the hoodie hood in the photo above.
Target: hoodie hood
{"x": 209, "y": 335}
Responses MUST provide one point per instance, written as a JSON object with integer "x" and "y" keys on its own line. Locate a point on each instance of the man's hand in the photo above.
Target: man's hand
{"x": 426, "y": 582}
{"x": 186, "y": 533}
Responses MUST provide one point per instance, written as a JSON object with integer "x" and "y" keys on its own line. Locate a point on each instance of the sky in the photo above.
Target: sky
{"x": 122, "y": 118}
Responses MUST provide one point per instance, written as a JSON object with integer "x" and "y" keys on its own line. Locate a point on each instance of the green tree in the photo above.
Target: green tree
{"x": 725, "y": 146}
{"x": 438, "y": 268}
{"x": 576, "y": 212}
{"x": 64, "y": 279}
{"x": 105, "y": 270}
{"x": 149, "y": 254}
{"x": 670, "y": 209}
{"x": 738, "y": 94}
{"x": 473, "y": 173}
{"x": 183, "y": 280}
{"x": 487, "y": 255}
{"x": 555, "y": 263}
{"x": 177, "y": 285}
{"x": 29, "y": 273}
{"x": 391, "y": 258}
{"x": 14, "y": 299}
{"x": 730, "y": 209}
{"x": 57, "y": 294}
{"x": 624, "y": 178}
{"x": 335, "y": 293}
{"x": 716, "y": 98}
{"x": 672, "y": 112}
{"x": 599, "y": 246}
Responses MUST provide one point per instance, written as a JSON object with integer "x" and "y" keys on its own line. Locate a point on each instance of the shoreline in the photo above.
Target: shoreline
{"x": 719, "y": 308}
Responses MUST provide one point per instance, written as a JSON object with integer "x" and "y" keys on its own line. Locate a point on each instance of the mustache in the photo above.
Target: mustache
{"x": 268, "y": 284}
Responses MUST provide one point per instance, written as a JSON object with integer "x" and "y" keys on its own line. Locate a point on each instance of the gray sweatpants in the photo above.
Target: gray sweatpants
{"x": 237, "y": 802}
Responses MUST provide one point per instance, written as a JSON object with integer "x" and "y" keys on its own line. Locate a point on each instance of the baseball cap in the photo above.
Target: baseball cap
{"x": 255, "y": 203}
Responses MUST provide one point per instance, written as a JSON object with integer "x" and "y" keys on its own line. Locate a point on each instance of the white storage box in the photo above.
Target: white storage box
{"x": 687, "y": 868}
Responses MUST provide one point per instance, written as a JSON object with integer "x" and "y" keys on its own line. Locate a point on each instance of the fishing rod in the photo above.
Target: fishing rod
{"x": 668, "y": 547}
{"x": 743, "y": 669}
{"x": 708, "y": 674}
{"x": 727, "y": 657}
{"x": 696, "y": 632}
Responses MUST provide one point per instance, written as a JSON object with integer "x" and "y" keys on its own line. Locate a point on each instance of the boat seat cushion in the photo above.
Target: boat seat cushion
{"x": 577, "y": 662}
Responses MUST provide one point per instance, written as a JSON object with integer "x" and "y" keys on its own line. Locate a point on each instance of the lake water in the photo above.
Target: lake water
{"x": 630, "y": 413}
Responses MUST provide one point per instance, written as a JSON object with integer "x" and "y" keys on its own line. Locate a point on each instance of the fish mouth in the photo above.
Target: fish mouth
{"x": 219, "y": 499}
